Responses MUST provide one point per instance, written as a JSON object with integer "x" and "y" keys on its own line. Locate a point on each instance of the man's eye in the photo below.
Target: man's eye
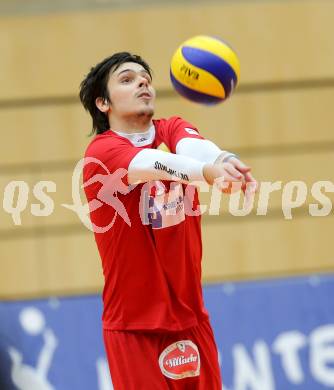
{"x": 126, "y": 80}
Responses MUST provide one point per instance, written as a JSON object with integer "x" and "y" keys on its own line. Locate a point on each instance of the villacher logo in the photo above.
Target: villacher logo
{"x": 180, "y": 360}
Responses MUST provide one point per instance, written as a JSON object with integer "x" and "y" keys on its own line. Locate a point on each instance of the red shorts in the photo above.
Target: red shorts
{"x": 186, "y": 360}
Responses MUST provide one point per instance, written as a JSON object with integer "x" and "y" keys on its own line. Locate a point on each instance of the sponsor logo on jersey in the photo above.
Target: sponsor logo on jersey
{"x": 141, "y": 139}
{"x": 191, "y": 131}
{"x": 180, "y": 360}
{"x": 163, "y": 207}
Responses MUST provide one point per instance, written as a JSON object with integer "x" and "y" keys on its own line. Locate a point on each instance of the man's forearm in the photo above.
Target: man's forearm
{"x": 152, "y": 164}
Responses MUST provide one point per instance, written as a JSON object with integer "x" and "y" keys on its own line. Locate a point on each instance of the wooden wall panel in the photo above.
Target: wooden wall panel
{"x": 261, "y": 118}
{"x": 247, "y": 121}
{"x": 261, "y": 247}
{"x": 48, "y": 55}
{"x": 62, "y": 200}
{"x": 66, "y": 263}
{"x": 70, "y": 263}
{"x": 280, "y": 121}
{"x": 234, "y": 248}
{"x": 20, "y": 273}
{"x": 43, "y": 133}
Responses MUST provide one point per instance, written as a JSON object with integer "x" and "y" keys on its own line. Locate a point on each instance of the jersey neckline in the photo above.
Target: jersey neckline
{"x": 138, "y": 139}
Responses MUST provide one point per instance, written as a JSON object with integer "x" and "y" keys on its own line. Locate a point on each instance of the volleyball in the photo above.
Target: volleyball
{"x": 205, "y": 70}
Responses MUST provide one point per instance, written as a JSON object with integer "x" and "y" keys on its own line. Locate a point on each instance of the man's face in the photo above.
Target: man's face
{"x": 131, "y": 91}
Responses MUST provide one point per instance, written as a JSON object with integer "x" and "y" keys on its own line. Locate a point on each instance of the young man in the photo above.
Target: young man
{"x": 147, "y": 229}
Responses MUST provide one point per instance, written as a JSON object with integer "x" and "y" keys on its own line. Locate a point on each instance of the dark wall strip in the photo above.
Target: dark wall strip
{"x": 256, "y": 87}
{"x": 246, "y": 152}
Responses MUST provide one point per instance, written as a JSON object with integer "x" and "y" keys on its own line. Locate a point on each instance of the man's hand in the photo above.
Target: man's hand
{"x": 230, "y": 172}
{"x": 245, "y": 170}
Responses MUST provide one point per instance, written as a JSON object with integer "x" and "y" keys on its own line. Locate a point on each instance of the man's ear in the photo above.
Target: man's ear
{"x": 102, "y": 104}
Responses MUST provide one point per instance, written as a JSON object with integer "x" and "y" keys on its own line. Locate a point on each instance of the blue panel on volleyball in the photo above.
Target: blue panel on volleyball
{"x": 194, "y": 96}
{"x": 271, "y": 335}
{"x": 212, "y": 64}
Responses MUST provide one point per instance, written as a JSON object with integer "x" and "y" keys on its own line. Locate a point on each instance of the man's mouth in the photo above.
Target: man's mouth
{"x": 146, "y": 95}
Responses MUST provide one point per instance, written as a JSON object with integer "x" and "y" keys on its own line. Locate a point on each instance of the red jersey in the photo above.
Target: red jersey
{"x": 150, "y": 247}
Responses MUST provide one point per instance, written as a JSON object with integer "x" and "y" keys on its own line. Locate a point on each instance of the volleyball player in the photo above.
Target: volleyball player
{"x": 157, "y": 332}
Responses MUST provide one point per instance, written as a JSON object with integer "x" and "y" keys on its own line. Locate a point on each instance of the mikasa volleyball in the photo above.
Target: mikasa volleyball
{"x": 205, "y": 70}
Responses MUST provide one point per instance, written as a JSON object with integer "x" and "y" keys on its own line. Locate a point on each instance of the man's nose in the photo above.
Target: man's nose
{"x": 143, "y": 82}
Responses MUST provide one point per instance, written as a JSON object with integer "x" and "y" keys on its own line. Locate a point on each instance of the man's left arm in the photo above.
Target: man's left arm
{"x": 206, "y": 151}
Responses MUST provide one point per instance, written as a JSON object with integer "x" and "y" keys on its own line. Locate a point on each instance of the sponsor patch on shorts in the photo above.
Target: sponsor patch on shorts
{"x": 180, "y": 360}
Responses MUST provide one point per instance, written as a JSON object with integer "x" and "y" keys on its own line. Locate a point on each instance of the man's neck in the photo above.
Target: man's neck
{"x": 131, "y": 125}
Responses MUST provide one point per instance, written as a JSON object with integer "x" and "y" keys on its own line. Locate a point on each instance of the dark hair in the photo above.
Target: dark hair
{"x": 94, "y": 85}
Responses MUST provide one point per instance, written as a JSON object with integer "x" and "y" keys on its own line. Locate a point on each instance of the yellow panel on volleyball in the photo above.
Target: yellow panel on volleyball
{"x": 186, "y": 74}
{"x": 217, "y": 47}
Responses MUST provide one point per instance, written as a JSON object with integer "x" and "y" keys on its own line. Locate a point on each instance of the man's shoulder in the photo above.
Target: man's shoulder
{"x": 168, "y": 123}
{"x": 102, "y": 142}
{"x": 169, "y": 120}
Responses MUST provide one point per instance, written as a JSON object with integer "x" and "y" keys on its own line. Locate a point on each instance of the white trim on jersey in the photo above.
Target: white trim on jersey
{"x": 139, "y": 139}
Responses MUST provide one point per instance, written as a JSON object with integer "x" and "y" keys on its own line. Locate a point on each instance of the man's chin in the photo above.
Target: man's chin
{"x": 146, "y": 113}
{"x": 142, "y": 115}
